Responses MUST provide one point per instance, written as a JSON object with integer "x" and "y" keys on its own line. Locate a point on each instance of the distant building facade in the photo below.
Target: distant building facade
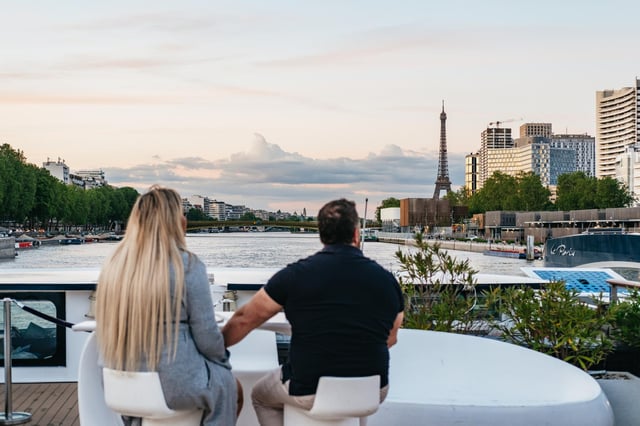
{"x": 628, "y": 171}
{"x": 85, "y": 179}
{"x": 536, "y": 151}
{"x": 584, "y": 147}
{"x": 89, "y": 179}
{"x": 492, "y": 138}
{"x": 617, "y": 126}
{"x": 58, "y": 169}
{"x": 536, "y": 129}
{"x": 471, "y": 171}
{"x": 390, "y": 218}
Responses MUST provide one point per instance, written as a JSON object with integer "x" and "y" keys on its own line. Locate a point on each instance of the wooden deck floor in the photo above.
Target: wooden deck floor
{"x": 50, "y": 404}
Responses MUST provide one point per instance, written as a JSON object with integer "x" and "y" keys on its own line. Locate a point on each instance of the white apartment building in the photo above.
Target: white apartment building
{"x": 628, "y": 171}
{"x": 218, "y": 210}
{"x": 197, "y": 202}
{"x": 58, "y": 170}
{"x": 471, "y": 171}
{"x": 617, "y": 126}
{"x": 491, "y": 139}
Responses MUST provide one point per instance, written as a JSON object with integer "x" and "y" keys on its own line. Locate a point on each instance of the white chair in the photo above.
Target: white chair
{"x": 340, "y": 401}
{"x": 92, "y": 409}
{"x": 139, "y": 394}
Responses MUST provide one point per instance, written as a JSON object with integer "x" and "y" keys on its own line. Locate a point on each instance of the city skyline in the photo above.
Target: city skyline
{"x": 278, "y": 105}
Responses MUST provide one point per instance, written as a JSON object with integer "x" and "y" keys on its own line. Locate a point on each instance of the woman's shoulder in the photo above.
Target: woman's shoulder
{"x": 191, "y": 260}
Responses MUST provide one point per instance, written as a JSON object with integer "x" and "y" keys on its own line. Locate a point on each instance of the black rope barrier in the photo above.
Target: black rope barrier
{"x": 42, "y": 315}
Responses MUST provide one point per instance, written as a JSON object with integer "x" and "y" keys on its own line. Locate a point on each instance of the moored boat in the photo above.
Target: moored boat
{"x": 609, "y": 247}
{"x": 514, "y": 254}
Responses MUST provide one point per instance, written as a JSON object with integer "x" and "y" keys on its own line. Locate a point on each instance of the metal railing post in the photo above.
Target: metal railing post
{"x": 9, "y": 417}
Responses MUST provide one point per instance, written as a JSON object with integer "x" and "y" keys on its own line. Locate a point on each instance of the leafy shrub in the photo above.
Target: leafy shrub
{"x": 437, "y": 289}
{"x": 625, "y": 320}
{"x": 554, "y": 321}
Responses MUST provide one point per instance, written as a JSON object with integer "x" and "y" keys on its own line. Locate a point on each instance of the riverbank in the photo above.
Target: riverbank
{"x": 472, "y": 246}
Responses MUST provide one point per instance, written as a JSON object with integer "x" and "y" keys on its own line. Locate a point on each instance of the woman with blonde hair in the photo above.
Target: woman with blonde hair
{"x": 154, "y": 312}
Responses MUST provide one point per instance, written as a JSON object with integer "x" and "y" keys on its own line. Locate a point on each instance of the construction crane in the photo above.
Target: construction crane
{"x": 498, "y": 123}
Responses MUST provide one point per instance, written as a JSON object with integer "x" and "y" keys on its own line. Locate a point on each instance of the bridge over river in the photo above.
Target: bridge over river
{"x": 251, "y": 225}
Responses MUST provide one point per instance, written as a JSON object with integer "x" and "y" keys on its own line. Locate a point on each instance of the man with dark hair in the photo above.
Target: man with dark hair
{"x": 336, "y": 222}
{"x": 344, "y": 309}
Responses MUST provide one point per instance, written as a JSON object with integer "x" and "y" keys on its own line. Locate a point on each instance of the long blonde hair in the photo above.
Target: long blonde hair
{"x": 134, "y": 311}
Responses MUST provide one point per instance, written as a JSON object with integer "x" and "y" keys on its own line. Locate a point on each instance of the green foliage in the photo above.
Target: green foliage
{"x": 248, "y": 216}
{"x": 524, "y": 192}
{"x": 577, "y": 191}
{"x": 458, "y": 198}
{"x": 553, "y": 321}
{"x": 197, "y": 215}
{"x": 532, "y": 195}
{"x": 387, "y": 202}
{"x": 436, "y": 286}
{"x": 30, "y": 195}
{"x": 625, "y": 320}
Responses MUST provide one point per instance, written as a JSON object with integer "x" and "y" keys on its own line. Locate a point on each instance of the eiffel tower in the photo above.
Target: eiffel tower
{"x": 442, "y": 181}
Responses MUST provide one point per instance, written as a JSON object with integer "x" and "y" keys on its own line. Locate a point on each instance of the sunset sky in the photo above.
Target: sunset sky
{"x": 287, "y": 104}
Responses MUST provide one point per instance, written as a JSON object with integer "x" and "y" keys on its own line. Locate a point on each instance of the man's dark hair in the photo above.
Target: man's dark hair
{"x": 337, "y": 221}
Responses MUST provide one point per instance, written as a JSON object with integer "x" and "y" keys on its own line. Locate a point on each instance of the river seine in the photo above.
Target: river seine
{"x": 238, "y": 250}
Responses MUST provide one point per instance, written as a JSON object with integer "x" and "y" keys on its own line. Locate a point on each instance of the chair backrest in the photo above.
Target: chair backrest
{"x": 136, "y": 394}
{"x": 92, "y": 409}
{"x": 338, "y": 397}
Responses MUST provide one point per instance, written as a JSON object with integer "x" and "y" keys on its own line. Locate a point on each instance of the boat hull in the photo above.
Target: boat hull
{"x": 591, "y": 249}
{"x": 513, "y": 254}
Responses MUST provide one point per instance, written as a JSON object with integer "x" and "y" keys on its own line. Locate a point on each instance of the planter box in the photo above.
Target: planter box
{"x": 622, "y": 359}
{"x": 623, "y": 392}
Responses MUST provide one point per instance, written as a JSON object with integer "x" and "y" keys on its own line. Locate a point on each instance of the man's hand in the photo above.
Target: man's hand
{"x": 260, "y": 308}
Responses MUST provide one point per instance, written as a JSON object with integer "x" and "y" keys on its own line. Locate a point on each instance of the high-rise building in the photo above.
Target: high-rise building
{"x": 617, "y": 126}
{"x": 535, "y": 129}
{"x": 491, "y": 139}
{"x": 536, "y": 154}
{"x": 584, "y": 147}
{"x": 471, "y": 172}
{"x": 628, "y": 171}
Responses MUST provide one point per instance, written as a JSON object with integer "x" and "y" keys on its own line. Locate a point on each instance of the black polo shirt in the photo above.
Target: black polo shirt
{"x": 341, "y": 306}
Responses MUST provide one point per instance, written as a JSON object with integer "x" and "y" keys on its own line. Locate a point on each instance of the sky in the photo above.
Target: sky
{"x": 284, "y": 105}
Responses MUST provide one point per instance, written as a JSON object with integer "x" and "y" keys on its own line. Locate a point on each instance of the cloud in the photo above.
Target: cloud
{"x": 265, "y": 176}
{"x": 92, "y": 99}
{"x": 372, "y": 43}
{"x": 167, "y": 21}
{"x": 130, "y": 63}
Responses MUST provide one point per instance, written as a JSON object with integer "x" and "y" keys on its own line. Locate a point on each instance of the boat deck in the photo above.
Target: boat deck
{"x": 50, "y": 404}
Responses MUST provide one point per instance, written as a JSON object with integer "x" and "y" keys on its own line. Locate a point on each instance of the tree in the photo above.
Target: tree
{"x": 48, "y": 190}
{"x": 17, "y": 184}
{"x": 196, "y": 214}
{"x": 248, "y": 216}
{"x": 577, "y": 191}
{"x": 611, "y": 193}
{"x": 500, "y": 192}
{"x": 458, "y": 198}
{"x": 387, "y": 202}
{"x": 523, "y": 192}
{"x": 532, "y": 195}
